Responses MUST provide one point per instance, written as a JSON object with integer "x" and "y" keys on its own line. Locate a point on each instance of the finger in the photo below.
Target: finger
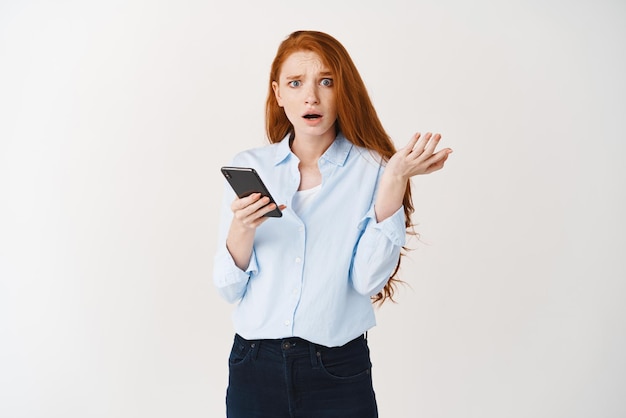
{"x": 418, "y": 149}
{"x": 251, "y": 214}
{"x": 244, "y": 211}
{"x": 258, "y": 217}
{"x": 259, "y": 205}
{"x": 243, "y": 202}
{"x": 266, "y": 209}
{"x": 437, "y": 160}
{"x": 431, "y": 146}
{"x": 406, "y": 150}
{"x": 271, "y": 207}
{"x": 444, "y": 153}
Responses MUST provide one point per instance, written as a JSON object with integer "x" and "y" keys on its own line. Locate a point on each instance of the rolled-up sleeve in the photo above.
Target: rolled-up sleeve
{"x": 229, "y": 279}
{"x": 377, "y": 251}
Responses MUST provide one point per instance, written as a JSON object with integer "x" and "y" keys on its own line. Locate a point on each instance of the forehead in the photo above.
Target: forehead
{"x": 302, "y": 62}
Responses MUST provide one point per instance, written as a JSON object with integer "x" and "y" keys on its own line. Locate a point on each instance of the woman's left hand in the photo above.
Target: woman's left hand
{"x": 418, "y": 157}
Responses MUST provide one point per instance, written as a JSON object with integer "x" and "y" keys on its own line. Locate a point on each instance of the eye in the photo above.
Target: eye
{"x": 326, "y": 82}
{"x": 294, "y": 83}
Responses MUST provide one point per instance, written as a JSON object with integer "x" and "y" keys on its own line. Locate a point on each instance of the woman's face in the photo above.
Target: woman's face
{"x": 305, "y": 91}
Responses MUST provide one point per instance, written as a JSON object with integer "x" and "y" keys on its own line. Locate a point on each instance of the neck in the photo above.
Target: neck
{"x": 309, "y": 149}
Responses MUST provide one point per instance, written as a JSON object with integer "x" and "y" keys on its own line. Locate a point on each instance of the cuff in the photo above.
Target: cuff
{"x": 393, "y": 227}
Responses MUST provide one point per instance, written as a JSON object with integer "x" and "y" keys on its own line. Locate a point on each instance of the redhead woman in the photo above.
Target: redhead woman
{"x": 304, "y": 284}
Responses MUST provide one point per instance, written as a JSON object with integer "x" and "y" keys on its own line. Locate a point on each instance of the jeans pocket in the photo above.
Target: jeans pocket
{"x": 348, "y": 362}
{"x": 240, "y": 351}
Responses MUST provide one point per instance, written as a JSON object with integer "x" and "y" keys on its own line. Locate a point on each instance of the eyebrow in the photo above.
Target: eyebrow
{"x": 299, "y": 76}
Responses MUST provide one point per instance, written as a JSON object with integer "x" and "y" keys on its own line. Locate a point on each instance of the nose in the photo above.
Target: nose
{"x": 311, "y": 96}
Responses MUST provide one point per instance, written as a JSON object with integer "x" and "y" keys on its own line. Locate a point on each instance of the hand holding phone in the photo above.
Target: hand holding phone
{"x": 245, "y": 181}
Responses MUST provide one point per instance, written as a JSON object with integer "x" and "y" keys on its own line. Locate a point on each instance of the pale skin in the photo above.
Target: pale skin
{"x": 304, "y": 88}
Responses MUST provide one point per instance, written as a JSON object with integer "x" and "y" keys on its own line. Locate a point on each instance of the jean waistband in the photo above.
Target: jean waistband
{"x": 292, "y": 346}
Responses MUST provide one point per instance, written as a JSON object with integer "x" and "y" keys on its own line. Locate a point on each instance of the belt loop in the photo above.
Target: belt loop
{"x": 365, "y": 335}
{"x": 255, "y": 348}
{"x": 315, "y": 352}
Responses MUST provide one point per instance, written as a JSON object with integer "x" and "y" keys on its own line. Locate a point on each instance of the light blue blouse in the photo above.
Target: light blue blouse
{"x": 312, "y": 275}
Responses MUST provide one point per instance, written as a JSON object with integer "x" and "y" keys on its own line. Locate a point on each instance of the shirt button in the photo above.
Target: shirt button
{"x": 294, "y": 291}
{"x": 287, "y": 322}
{"x": 298, "y": 260}
{"x": 301, "y": 229}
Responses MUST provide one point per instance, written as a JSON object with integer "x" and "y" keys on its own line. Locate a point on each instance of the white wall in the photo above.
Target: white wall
{"x": 116, "y": 116}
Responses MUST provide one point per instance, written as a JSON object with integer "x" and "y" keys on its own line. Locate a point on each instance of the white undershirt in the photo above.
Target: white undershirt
{"x": 304, "y": 198}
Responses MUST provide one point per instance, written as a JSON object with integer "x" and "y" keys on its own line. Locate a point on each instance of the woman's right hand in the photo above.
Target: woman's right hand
{"x": 248, "y": 215}
{"x": 249, "y": 211}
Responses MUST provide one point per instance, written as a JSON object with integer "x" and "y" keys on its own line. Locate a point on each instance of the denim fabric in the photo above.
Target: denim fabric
{"x": 293, "y": 378}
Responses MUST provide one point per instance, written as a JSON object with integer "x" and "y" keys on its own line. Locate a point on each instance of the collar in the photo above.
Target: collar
{"x": 336, "y": 154}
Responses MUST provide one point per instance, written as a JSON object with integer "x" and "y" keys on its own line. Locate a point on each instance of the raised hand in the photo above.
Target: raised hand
{"x": 418, "y": 157}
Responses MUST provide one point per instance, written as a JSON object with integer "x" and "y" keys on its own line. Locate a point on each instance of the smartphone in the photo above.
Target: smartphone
{"x": 245, "y": 181}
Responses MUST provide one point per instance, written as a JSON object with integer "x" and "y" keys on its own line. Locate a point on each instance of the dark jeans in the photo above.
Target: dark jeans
{"x": 293, "y": 378}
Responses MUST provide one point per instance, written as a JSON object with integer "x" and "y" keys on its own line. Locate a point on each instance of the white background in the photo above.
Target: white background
{"x": 116, "y": 116}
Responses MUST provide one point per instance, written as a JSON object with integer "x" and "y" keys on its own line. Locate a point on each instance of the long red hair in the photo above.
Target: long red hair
{"x": 356, "y": 116}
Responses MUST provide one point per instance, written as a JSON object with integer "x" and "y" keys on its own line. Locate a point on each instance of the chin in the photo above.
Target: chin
{"x": 320, "y": 130}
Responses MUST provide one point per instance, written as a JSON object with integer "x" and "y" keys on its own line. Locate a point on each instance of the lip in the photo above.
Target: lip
{"x": 312, "y": 121}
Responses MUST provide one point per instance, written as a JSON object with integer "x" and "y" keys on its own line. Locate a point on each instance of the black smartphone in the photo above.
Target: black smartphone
{"x": 245, "y": 181}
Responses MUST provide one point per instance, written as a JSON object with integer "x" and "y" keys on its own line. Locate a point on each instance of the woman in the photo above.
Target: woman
{"x": 305, "y": 282}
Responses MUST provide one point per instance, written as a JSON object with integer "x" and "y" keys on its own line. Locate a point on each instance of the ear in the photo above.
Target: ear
{"x": 277, "y": 93}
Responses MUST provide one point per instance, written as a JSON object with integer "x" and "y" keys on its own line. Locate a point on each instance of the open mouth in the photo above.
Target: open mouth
{"x": 312, "y": 116}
